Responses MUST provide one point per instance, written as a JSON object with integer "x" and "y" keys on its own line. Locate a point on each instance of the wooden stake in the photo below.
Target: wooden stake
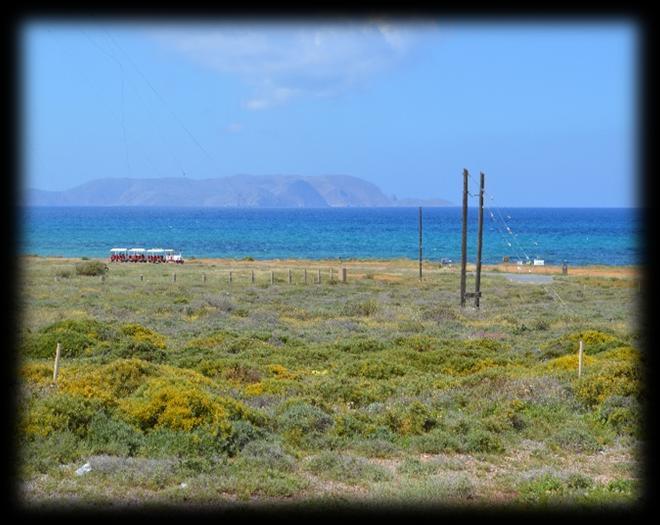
{"x": 174, "y": 277}
{"x": 56, "y": 368}
{"x": 229, "y": 276}
{"x": 203, "y": 277}
{"x": 252, "y": 276}
{"x": 343, "y": 275}
{"x": 141, "y": 277}
{"x": 319, "y": 276}
{"x": 289, "y": 276}
{"x": 305, "y": 276}
{"x": 580, "y": 359}
{"x": 272, "y": 277}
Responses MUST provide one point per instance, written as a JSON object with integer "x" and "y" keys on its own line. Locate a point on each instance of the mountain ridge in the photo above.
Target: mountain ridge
{"x": 236, "y": 191}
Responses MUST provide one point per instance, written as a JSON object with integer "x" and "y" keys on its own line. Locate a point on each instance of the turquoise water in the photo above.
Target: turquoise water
{"x": 580, "y": 236}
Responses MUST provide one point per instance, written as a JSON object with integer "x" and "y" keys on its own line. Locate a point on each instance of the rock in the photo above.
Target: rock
{"x": 84, "y": 469}
{"x": 183, "y": 485}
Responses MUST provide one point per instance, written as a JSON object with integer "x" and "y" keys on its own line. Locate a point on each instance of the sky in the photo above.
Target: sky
{"x": 547, "y": 111}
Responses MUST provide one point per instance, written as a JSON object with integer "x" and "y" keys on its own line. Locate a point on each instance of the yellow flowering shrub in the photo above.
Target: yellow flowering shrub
{"x": 568, "y": 363}
{"x": 208, "y": 342}
{"x": 39, "y": 373}
{"x": 110, "y": 382}
{"x": 281, "y": 372}
{"x": 615, "y": 372}
{"x": 140, "y": 334}
{"x": 178, "y": 404}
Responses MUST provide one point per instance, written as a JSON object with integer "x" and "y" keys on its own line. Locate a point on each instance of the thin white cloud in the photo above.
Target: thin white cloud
{"x": 283, "y": 62}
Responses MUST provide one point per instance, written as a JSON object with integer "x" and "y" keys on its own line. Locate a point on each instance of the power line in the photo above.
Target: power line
{"x": 162, "y": 99}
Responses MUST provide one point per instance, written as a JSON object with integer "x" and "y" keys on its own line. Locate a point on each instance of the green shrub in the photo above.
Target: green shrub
{"x": 376, "y": 447}
{"x": 64, "y": 274}
{"x": 360, "y": 345}
{"x": 575, "y": 438}
{"x": 91, "y": 268}
{"x": 76, "y": 337}
{"x": 360, "y": 309}
{"x": 622, "y": 413}
{"x": 108, "y": 435}
{"x": 302, "y": 417}
{"x": 42, "y": 454}
{"x": 437, "y": 441}
{"x": 413, "y": 418}
{"x": 375, "y": 369}
{"x": 201, "y": 442}
{"x": 58, "y": 412}
{"x": 478, "y": 440}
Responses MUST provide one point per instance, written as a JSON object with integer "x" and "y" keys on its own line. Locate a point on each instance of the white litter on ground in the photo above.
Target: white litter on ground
{"x": 84, "y": 469}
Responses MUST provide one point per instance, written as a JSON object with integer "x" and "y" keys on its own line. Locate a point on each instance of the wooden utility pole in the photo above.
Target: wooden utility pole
{"x": 464, "y": 236}
{"x": 420, "y": 243}
{"x": 477, "y": 289}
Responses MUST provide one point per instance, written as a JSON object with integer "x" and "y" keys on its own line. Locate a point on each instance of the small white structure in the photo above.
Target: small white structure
{"x": 539, "y": 262}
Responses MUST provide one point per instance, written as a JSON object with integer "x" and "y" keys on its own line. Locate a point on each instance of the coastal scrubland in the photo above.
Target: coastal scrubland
{"x": 379, "y": 390}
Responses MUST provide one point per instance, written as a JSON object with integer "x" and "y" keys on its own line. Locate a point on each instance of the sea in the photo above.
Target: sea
{"x": 577, "y": 236}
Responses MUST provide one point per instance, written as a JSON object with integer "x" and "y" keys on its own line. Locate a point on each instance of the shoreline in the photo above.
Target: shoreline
{"x": 591, "y": 270}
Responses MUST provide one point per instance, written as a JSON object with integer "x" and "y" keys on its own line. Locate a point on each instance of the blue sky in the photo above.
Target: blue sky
{"x": 547, "y": 111}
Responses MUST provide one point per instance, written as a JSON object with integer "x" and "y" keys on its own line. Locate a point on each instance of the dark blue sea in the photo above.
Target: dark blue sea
{"x": 581, "y": 236}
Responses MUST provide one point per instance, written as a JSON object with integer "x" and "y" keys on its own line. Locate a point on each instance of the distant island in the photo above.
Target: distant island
{"x": 238, "y": 191}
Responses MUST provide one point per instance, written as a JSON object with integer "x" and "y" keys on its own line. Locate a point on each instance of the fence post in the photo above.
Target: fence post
{"x": 289, "y": 276}
{"x": 252, "y": 276}
{"x": 141, "y": 277}
{"x": 229, "y": 276}
{"x": 174, "y": 277}
{"x": 580, "y": 359}
{"x": 305, "y": 276}
{"x": 272, "y": 277}
{"x": 56, "y": 368}
{"x": 343, "y": 275}
{"x": 203, "y": 277}
{"x": 319, "y": 275}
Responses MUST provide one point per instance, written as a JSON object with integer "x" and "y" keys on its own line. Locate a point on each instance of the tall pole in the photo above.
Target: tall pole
{"x": 420, "y": 243}
{"x": 479, "y": 240}
{"x": 464, "y": 236}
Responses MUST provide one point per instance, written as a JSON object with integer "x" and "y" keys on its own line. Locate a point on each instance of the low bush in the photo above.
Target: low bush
{"x": 347, "y": 469}
{"x": 108, "y": 435}
{"x": 91, "y": 268}
{"x": 60, "y": 412}
{"x": 76, "y": 337}
{"x": 413, "y": 418}
{"x": 361, "y": 308}
{"x": 301, "y": 417}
